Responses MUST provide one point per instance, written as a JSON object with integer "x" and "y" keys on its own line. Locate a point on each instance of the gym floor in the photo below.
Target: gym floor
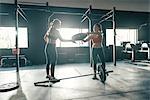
{"x": 127, "y": 82}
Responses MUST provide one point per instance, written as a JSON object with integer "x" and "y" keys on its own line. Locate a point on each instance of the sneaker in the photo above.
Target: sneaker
{"x": 48, "y": 76}
{"x": 54, "y": 80}
{"x": 95, "y": 78}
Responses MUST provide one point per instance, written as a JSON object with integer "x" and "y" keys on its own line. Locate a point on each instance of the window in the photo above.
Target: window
{"x": 122, "y": 35}
{"x": 8, "y": 37}
{"x": 67, "y": 34}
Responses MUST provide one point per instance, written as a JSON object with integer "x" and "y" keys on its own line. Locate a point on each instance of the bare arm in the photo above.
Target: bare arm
{"x": 89, "y": 37}
{"x": 46, "y": 39}
{"x": 63, "y": 40}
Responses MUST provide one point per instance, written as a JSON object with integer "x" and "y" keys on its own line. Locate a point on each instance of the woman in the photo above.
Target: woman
{"x": 97, "y": 51}
{"x": 50, "y": 48}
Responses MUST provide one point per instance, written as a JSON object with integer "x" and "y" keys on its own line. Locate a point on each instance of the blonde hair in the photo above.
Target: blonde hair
{"x": 55, "y": 21}
{"x": 99, "y": 26}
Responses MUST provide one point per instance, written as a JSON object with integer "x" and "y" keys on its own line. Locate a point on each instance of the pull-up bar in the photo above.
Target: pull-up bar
{"x": 22, "y": 13}
{"x": 20, "y": 9}
{"x": 32, "y": 3}
{"x": 107, "y": 14}
{"x": 4, "y": 14}
{"x": 87, "y": 11}
{"x": 111, "y": 14}
{"x": 68, "y": 13}
{"x": 106, "y": 19}
{"x": 85, "y": 15}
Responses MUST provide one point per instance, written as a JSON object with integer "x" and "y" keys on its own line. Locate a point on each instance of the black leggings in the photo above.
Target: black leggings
{"x": 51, "y": 57}
{"x": 98, "y": 53}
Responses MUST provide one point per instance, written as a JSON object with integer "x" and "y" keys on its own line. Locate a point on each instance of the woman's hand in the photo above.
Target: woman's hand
{"x": 46, "y": 39}
{"x": 83, "y": 40}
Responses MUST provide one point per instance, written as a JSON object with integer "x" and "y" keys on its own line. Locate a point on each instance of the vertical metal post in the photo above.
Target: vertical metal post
{"x": 90, "y": 30}
{"x": 16, "y": 26}
{"x": 114, "y": 30}
{"x": 47, "y": 15}
{"x": 148, "y": 51}
{"x": 47, "y": 4}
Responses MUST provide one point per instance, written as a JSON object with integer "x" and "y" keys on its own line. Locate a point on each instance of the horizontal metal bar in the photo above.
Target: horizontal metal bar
{"x": 86, "y": 12}
{"x": 105, "y": 19}
{"x": 55, "y": 81}
{"x": 84, "y": 19}
{"x": 37, "y": 3}
{"x": 68, "y": 13}
{"x": 45, "y": 10}
{"x": 107, "y": 14}
{"x": 36, "y": 9}
{"x": 4, "y": 14}
{"x": 21, "y": 9}
{"x": 73, "y": 13}
{"x": 76, "y": 76}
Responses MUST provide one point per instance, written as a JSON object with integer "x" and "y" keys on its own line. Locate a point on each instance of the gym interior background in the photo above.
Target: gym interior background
{"x": 131, "y": 15}
{"x": 37, "y": 26}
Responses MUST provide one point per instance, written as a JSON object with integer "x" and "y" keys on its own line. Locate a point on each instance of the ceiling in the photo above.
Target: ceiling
{"x": 126, "y": 5}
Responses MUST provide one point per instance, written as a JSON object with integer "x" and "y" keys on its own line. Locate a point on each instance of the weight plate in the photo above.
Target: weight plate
{"x": 9, "y": 87}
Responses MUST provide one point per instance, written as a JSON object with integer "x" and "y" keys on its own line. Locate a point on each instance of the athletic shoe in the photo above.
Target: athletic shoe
{"x": 54, "y": 80}
{"x": 94, "y": 77}
{"x": 48, "y": 76}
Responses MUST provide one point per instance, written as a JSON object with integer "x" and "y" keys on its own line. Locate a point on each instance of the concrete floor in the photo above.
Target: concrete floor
{"x": 127, "y": 82}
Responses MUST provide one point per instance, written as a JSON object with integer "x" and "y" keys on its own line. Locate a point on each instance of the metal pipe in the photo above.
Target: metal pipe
{"x": 76, "y": 76}
{"x": 47, "y": 4}
{"x": 86, "y": 13}
{"x": 22, "y": 15}
{"x": 105, "y": 19}
{"x": 107, "y": 14}
{"x": 46, "y": 10}
{"x": 37, "y": 3}
{"x": 35, "y": 9}
{"x": 21, "y": 9}
{"x": 4, "y": 14}
{"x": 114, "y": 30}
{"x": 68, "y": 13}
{"x": 16, "y": 26}
{"x": 90, "y": 43}
{"x": 84, "y": 19}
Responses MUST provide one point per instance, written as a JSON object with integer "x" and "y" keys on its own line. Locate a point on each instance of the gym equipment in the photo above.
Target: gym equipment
{"x": 87, "y": 16}
{"x": 111, "y": 16}
{"x": 145, "y": 47}
{"x": 102, "y": 73}
{"x": 10, "y": 60}
{"x": 14, "y": 85}
{"x": 9, "y": 86}
{"x": 79, "y": 36}
{"x": 136, "y": 48}
{"x": 6, "y": 87}
{"x": 131, "y": 48}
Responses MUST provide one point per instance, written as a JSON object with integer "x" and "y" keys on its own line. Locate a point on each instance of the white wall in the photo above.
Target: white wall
{"x": 127, "y": 5}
